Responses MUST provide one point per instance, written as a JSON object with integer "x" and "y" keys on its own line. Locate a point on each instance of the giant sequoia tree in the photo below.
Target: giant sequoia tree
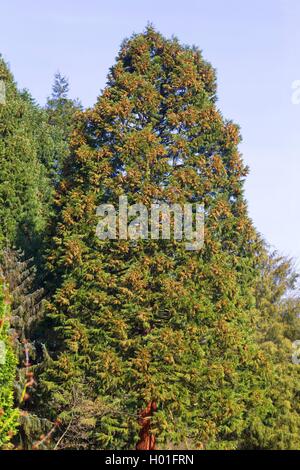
{"x": 153, "y": 343}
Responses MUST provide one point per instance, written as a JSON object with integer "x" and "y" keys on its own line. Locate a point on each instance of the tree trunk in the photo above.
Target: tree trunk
{"x": 147, "y": 440}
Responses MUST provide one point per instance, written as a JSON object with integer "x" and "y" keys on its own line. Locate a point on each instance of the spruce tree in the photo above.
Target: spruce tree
{"x": 159, "y": 339}
{"x": 61, "y": 112}
{"x": 27, "y": 313}
{"x": 26, "y": 306}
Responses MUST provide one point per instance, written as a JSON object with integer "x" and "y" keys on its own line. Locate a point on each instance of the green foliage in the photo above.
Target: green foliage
{"x": 27, "y": 300}
{"x": 24, "y": 185}
{"x": 61, "y": 112}
{"x": 8, "y": 414}
{"x": 26, "y": 315}
{"x": 278, "y": 326}
{"x": 147, "y": 325}
{"x": 144, "y": 343}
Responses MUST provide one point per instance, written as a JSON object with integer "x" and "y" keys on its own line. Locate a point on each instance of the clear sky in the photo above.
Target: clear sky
{"x": 253, "y": 44}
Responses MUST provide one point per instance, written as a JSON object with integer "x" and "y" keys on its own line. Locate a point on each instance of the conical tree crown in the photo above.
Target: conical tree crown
{"x": 60, "y": 111}
{"x": 26, "y": 154}
{"x": 159, "y": 336}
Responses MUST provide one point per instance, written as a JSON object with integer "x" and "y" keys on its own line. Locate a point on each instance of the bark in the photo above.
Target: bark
{"x": 147, "y": 439}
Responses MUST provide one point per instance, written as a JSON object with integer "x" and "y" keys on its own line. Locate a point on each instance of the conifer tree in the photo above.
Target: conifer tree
{"x": 60, "y": 107}
{"x": 25, "y": 191}
{"x": 26, "y": 315}
{"x": 278, "y": 328}
{"x": 158, "y": 338}
{"x": 26, "y": 306}
{"x": 27, "y": 147}
{"x": 61, "y": 111}
{"x": 8, "y": 414}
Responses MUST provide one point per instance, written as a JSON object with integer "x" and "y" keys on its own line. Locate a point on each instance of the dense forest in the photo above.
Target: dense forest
{"x": 138, "y": 344}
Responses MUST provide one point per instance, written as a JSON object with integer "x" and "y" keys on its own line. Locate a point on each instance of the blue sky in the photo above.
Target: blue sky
{"x": 254, "y": 45}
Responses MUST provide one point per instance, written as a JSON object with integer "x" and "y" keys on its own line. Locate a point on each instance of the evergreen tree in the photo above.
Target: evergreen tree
{"x": 60, "y": 88}
{"x": 61, "y": 112}
{"x": 278, "y": 327}
{"x": 25, "y": 190}
{"x": 159, "y": 339}
{"x": 26, "y": 306}
{"x": 26, "y": 315}
{"x": 8, "y": 414}
{"x": 27, "y": 149}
